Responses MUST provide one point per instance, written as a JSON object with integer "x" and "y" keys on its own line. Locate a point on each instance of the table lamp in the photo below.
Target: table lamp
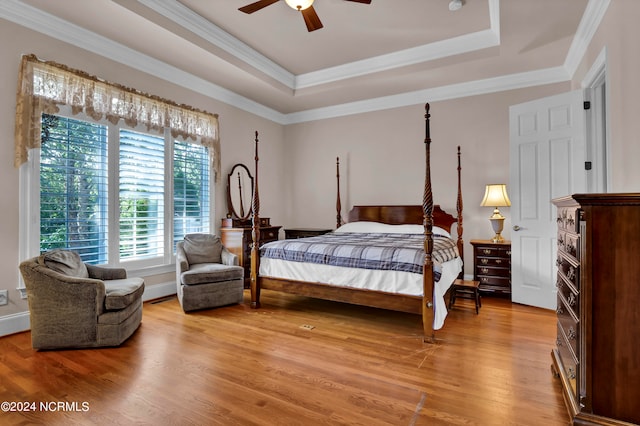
{"x": 495, "y": 196}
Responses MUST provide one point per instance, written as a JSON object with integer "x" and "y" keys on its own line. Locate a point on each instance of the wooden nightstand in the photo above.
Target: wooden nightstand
{"x": 292, "y": 233}
{"x": 492, "y": 266}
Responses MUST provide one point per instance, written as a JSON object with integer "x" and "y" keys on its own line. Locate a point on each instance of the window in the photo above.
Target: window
{"x": 190, "y": 190}
{"x": 122, "y": 180}
{"x": 73, "y": 187}
{"x": 151, "y": 211}
{"x": 141, "y": 196}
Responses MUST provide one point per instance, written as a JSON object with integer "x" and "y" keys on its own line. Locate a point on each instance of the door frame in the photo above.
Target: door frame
{"x": 595, "y": 85}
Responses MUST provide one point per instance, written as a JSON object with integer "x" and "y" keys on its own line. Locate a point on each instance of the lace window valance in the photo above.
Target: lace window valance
{"x": 43, "y": 86}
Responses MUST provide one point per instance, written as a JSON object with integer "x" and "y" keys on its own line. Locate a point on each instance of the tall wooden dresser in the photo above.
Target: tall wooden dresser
{"x": 236, "y": 236}
{"x": 597, "y": 353}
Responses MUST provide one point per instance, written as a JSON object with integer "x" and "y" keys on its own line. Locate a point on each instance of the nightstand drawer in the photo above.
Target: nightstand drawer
{"x": 495, "y": 284}
{"x": 268, "y": 235}
{"x": 494, "y": 261}
{"x": 494, "y": 251}
{"x": 494, "y": 272}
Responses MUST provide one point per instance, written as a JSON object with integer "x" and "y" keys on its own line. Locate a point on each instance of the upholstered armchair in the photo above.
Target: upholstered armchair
{"x": 77, "y": 305}
{"x": 207, "y": 274}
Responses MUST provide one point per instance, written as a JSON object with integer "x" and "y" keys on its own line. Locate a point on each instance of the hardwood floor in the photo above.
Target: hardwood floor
{"x": 237, "y": 366}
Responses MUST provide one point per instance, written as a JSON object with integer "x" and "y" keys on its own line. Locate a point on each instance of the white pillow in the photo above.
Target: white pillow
{"x": 362, "y": 226}
{"x": 377, "y": 227}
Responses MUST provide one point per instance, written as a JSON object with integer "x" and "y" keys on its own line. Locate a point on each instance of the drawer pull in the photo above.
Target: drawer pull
{"x": 571, "y": 372}
{"x": 571, "y": 273}
{"x": 484, "y": 279}
{"x": 484, "y": 261}
{"x": 560, "y": 310}
{"x": 558, "y": 342}
{"x": 484, "y": 270}
{"x": 486, "y": 251}
{"x": 498, "y": 261}
{"x": 508, "y": 252}
{"x": 571, "y": 333}
{"x": 572, "y": 300}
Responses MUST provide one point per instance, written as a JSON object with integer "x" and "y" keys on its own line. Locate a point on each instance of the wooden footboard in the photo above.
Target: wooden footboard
{"x": 427, "y": 214}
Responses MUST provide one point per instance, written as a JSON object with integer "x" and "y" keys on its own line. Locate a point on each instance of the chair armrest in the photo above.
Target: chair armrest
{"x": 228, "y": 258}
{"x": 106, "y": 273}
{"x": 182, "y": 264}
{"x": 48, "y": 290}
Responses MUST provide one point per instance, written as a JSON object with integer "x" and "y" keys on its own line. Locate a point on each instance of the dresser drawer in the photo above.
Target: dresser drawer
{"x": 567, "y": 218}
{"x": 570, "y": 297}
{"x": 569, "y": 270}
{"x": 569, "y": 325}
{"x": 268, "y": 235}
{"x": 569, "y": 244}
{"x": 568, "y": 360}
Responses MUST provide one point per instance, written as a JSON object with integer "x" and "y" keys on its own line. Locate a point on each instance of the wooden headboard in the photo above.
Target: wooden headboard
{"x": 399, "y": 215}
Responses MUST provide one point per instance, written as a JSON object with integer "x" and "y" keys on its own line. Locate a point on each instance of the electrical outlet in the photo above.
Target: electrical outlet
{"x": 4, "y": 297}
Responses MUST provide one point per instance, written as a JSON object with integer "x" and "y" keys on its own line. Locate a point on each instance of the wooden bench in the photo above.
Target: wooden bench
{"x": 466, "y": 289}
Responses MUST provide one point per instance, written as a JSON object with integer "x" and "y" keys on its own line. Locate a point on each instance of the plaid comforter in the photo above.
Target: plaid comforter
{"x": 395, "y": 252}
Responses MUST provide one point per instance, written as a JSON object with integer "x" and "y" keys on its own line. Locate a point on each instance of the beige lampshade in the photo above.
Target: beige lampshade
{"x": 299, "y": 4}
{"x": 495, "y": 195}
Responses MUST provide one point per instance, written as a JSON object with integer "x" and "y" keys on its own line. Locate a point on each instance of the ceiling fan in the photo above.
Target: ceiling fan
{"x": 305, "y": 6}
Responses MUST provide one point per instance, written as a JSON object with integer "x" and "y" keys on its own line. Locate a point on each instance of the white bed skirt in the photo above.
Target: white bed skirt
{"x": 369, "y": 279}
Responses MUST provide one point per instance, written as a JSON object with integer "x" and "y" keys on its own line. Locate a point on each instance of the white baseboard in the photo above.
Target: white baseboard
{"x": 14, "y": 323}
{"x": 158, "y": 291}
{"x": 19, "y": 322}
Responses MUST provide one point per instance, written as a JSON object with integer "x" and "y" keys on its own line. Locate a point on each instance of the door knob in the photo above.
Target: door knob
{"x": 516, "y": 228}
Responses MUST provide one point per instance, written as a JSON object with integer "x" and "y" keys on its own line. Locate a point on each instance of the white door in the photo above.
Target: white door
{"x": 547, "y": 160}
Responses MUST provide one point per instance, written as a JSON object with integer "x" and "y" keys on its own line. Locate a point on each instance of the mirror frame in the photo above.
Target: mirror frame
{"x": 231, "y": 210}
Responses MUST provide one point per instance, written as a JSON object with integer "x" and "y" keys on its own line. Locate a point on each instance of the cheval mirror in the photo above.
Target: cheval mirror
{"x": 239, "y": 193}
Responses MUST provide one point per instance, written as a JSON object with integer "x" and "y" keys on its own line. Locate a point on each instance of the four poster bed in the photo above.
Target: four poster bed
{"x": 348, "y": 263}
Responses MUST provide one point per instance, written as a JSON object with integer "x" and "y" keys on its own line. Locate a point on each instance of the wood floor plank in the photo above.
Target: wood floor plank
{"x": 353, "y": 365}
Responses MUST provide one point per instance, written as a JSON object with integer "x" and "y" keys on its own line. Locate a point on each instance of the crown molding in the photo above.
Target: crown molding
{"x": 454, "y": 91}
{"x": 191, "y": 21}
{"x": 593, "y": 15}
{"x": 52, "y": 26}
{"x": 33, "y": 18}
{"x": 428, "y": 52}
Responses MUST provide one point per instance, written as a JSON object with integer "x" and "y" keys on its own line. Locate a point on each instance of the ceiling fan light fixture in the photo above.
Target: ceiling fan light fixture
{"x": 299, "y": 4}
{"x": 453, "y": 5}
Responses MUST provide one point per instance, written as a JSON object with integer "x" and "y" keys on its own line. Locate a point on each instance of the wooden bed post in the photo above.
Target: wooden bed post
{"x": 338, "y": 204}
{"x": 460, "y": 229}
{"x": 427, "y": 269}
{"x": 255, "y": 247}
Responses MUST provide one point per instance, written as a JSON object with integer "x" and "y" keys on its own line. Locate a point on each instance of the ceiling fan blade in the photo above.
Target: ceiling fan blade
{"x": 254, "y": 7}
{"x": 360, "y": 1}
{"x": 311, "y": 19}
